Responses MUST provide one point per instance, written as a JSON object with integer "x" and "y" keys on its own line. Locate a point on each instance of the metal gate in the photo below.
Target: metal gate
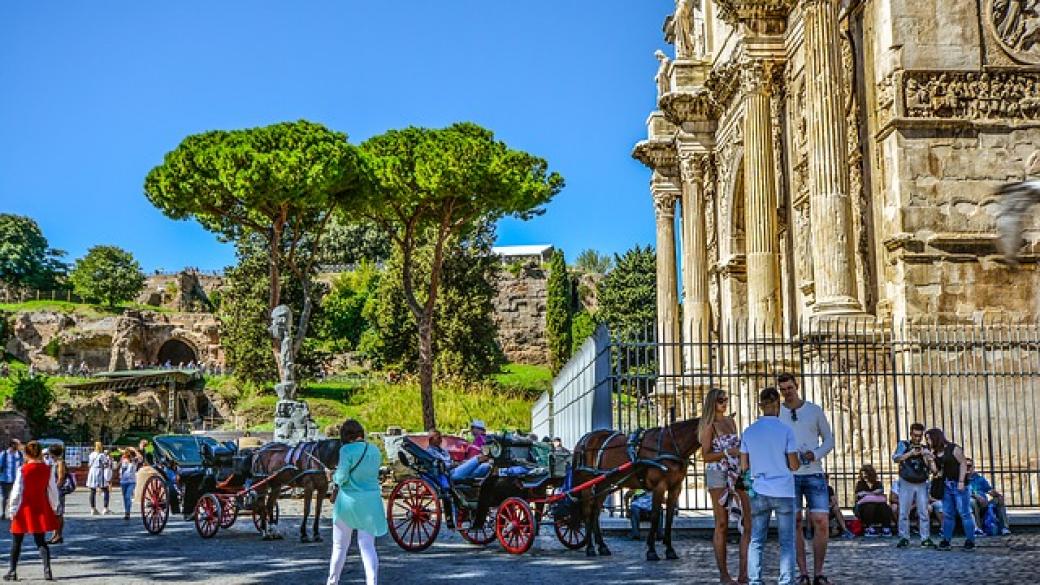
{"x": 979, "y": 384}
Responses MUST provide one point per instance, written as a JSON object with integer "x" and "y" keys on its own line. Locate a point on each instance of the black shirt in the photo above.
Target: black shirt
{"x": 951, "y": 468}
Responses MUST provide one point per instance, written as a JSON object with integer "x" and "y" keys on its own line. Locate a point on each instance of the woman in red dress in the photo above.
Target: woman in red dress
{"x": 34, "y": 499}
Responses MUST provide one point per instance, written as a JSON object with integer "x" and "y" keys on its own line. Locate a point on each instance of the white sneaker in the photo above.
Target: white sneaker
{"x": 1005, "y": 532}
{"x": 106, "y": 512}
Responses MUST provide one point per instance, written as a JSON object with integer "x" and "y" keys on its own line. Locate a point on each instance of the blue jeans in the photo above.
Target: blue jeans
{"x": 470, "y": 468}
{"x": 762, "y": 508}
{"x": 957, "y": 503}
{"x": 813, "y": 488}
{"x": 128, "y": 496}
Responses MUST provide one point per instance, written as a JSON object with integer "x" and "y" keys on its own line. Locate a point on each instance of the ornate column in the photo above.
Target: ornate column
{"x": 665, "y": 195}
{"x": 696, "y": 303}
{"x": 762, "y": 247}
{"x": 832, "y": 234}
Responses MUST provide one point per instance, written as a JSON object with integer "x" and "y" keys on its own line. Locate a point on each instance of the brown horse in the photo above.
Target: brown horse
{"x": 301, "y": 466}
{"x": 661, "y": 457}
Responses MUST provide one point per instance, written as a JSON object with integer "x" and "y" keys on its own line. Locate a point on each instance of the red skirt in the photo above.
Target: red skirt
{"x": 34, "y": 520}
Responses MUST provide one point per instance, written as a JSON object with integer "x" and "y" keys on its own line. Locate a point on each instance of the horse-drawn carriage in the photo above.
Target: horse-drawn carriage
{"x": 507, "y": 504}
{"x": 206, "y": 481}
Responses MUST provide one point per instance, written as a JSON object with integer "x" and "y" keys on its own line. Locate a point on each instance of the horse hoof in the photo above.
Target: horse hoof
{"x": 304, "y": 539}
{"x": 604, "y": 551}
{"x": 670, "y": 555}
{"x": 590, "y": 552}
{"x": 651, "y": 555}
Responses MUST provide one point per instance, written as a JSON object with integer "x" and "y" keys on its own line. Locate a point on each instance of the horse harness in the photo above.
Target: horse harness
{"x": 632, "y": 446}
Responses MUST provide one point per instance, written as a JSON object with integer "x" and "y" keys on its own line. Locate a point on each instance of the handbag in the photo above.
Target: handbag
{"x": 335, "y": 487}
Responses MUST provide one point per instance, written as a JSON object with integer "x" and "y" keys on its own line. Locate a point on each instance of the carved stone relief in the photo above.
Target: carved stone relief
{"x": 972, "y": 96}
{"x": 1015, "y": 24}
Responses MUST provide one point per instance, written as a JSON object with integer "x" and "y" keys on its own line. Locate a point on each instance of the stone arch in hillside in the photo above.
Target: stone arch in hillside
{"x": 177, "y": 351}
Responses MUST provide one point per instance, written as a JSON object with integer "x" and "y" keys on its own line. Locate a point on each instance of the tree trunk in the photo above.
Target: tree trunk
{"x": 426, "y": 371}
{"x": 276, "y": 292}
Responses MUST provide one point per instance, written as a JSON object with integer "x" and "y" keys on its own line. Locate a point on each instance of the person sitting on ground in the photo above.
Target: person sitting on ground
{"x": 871, "y": 504}
{"x": 981, "y": 491}
{"x": 639, "y": 509}
{"x": 836, "y": 518}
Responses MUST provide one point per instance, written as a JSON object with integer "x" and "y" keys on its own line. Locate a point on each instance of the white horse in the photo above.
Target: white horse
{"x": 1015, "y": 201}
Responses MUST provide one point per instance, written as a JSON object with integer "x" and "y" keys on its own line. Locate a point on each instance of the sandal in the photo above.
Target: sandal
{"x": 804, "y": 580}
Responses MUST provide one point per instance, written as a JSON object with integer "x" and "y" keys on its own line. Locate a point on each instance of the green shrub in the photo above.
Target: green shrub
{"x": 33, "y": 396}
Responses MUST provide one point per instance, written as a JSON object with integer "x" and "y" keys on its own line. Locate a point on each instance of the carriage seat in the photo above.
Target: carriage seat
{"x": 217, "y": 455}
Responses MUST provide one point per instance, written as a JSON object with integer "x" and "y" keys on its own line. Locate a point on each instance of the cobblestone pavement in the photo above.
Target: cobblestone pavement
{"x": 106, "y": 550}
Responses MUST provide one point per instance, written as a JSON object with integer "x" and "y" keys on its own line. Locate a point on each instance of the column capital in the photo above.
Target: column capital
{"x": 664, "y": 202}
{"x": 760, "y": 76}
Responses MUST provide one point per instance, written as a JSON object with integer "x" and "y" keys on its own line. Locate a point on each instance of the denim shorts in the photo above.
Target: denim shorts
{"x": 813, "y": 488}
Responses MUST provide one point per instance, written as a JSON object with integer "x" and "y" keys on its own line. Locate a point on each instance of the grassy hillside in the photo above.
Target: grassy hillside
{"x": 87, "y": 310}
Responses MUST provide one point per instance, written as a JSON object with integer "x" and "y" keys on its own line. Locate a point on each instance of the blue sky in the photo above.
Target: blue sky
{"x": 92, "y": 94}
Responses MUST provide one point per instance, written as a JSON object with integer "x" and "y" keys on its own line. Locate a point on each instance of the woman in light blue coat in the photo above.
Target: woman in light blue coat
{"x": 358, "y": 504}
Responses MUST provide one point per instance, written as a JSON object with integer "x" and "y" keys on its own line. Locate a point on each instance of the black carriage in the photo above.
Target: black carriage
{"x": 206, "y": 481}
{"x": 526, "y": 483}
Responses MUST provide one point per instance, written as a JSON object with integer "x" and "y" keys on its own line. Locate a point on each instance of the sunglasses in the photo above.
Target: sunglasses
{"x": 794, "y": 415}
{"x": 722, "y": 399}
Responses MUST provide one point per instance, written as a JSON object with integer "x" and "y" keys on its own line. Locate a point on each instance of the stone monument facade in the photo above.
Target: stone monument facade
{"x": 838, "y": 158}
{"x": 292, "y": 419}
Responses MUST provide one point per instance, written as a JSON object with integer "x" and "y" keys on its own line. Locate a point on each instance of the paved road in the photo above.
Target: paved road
{"x": 106, "y": 550}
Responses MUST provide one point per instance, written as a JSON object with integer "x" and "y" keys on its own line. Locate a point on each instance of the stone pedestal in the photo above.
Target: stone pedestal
{"x": 293, "y": 423}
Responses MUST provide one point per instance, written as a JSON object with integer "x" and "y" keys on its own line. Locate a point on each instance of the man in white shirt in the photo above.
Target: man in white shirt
{"x": 815, "y": 440}
{"x": 769, "y": 450}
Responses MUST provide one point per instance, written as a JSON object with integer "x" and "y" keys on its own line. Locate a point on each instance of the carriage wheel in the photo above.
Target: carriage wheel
{"x": 257, "y": 511}
{"x": 572, "y": 535}
{"x": 482, "y": 535}
{"x": 228, "y": 513}
{"x": 155, "y": 505}
{"x": 413, "y": 513}
{"x": 515, "y": 526}
{"x": 207, "y": 516}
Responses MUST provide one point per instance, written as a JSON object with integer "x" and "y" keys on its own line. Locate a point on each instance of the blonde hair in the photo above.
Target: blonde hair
{"x": 708, "y": 409}
{"x": 98, "y": 446}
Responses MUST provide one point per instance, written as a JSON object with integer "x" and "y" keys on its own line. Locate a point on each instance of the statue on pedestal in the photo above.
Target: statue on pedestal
{"x": 664, "y": 85}
{"x": 685, "y": 43}
{"x": 292, "y": 419}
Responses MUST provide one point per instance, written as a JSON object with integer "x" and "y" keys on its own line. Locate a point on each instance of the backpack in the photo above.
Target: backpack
{"x": 914, "y": 469}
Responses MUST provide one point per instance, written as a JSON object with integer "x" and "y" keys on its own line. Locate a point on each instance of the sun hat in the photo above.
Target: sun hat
{"x": 477, "y": 424}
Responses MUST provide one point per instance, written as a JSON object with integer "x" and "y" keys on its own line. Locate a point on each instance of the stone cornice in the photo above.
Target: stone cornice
{"x": 680, "y": 107}
{"x": 659, "y": 154}
{"x": 753, "y": 12}
{"x": 723, "y": 83}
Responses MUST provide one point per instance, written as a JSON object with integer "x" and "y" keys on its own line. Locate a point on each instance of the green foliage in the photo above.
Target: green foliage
{"x": 524, "y": 379}
{"x": 243, "y": 316}
{"x": 590, "y": 261}
{"x": 279, "y": 183}
{"x": 437, "y": 185}
{"x": 107, "y": 274}
{"x": 465, "y": 335}
{"x": 628, "y": 294}
{"x": 583, "y": 325}
{"x": 33, "y": 396}
{"x": 380, "y": 405}
{"x": 26, "y": 260}
{"x": 52, "y": 348}
{"x": 342, "y": 321}
{"x": 352, "y": 242}
{"x": 558, "y": 304}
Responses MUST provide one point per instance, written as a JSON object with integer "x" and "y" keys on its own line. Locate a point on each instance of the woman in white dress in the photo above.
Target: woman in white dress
{"x": 99, "y": 477}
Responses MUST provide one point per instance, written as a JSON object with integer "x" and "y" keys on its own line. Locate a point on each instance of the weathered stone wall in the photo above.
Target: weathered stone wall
{"x": 54, "y": 341}
{"x": 520, "y": 316}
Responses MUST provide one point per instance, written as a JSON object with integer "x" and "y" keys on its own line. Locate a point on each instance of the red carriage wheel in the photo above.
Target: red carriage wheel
{"x": 207, "y": 516}
{"x": 155, "y": 505}
{"x": 515, "y": 526}
{"x": 414, "y": 514}
{"x": 479, "y": 535}
{"x": 256, "y": 516}
{"x": 571, "y": 534}
{"x": 228, "y": 512}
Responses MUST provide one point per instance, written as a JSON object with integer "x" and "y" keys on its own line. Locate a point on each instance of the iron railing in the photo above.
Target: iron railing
{"x": 978, "y": 383}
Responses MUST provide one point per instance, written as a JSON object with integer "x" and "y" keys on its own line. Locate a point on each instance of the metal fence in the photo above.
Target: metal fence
{"x": 979, "y": 384}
